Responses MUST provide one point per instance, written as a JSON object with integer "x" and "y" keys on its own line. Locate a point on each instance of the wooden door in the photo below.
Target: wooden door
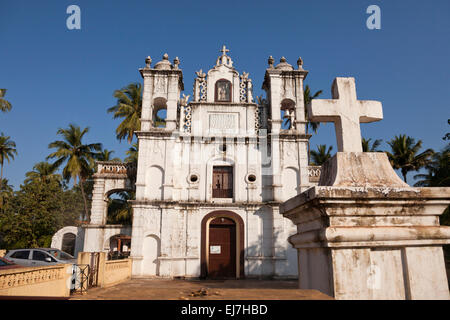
{"x": 222, "y": 248}
{"x": 222, "y": 182}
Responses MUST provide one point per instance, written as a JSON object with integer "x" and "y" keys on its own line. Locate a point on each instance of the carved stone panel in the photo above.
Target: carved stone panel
{"x": 223, "y": 122}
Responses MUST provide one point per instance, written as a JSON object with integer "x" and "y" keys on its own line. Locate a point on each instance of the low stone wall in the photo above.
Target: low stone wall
{"x": 51, "y": 281}
{"x": 114, "y": 272}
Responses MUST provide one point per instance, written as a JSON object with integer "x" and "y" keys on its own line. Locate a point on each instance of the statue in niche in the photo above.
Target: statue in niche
{"x": 223, "y": 91}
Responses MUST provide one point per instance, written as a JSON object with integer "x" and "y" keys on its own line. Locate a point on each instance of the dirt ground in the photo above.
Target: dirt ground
{"x": 164, "y": 289}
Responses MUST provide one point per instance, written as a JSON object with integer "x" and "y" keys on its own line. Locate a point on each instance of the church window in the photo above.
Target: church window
{"x": 193, "y": 178}
{"x": 251, "y": 178}
{"x": 222, "y": 183}
{"x": 223, "y": 91}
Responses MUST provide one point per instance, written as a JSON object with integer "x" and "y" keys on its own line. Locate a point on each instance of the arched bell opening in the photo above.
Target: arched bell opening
{"x": 287, "y": 113}
{"x": 159, "y": 112}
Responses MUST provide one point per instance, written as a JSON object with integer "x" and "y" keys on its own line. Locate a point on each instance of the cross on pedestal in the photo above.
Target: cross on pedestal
{"x": 346, "y": 112}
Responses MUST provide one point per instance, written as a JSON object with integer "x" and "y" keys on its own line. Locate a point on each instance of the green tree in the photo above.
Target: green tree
{"x": 120, "y": 210}
{"x": 73, "y": 209}
{"x": 7, "y": 152}
{"x": 6, "y": 194}
{"x": 106, "y": 155}
{"x": 76, "y": 155}
{"x": 307, "y": 97}
{"x": 438, "y": 171}
{"x": 371, "y": 148}
{"x": 132, "y": 153}
{"x": 322, "y": 154}
{"x": 405, "y": 154}
{"x": 5, "y": 105}
{"x": 43, "y": 172}
{"x": 128, "y": 107}
{"x": 32, "y": 219}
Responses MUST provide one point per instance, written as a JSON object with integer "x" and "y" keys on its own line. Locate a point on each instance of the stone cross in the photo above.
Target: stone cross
{"x": 224, "y": 50}
{"x": 346, "y": 112}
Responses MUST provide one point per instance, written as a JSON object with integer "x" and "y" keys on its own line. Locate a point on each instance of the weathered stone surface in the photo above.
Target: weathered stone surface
{"x": 360, "y": 169}
{"x": 346, "y": 112}
{"x": 363, "y": 233}
{"x": 352, "y": 241}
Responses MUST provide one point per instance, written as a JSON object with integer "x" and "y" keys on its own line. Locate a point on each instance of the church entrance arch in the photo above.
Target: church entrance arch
{"x": 222, "y": 245}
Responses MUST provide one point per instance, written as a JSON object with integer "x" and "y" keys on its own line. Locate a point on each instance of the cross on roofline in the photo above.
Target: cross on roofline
{"x": 346, "y": 112}
{"x": 224, "y": 50}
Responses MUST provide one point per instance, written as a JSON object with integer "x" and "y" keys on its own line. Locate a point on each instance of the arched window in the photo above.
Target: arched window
{"x": 223, "y": 91}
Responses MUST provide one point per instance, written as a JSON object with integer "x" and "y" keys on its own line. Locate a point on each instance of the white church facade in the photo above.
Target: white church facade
{"x": 209, "y": 183}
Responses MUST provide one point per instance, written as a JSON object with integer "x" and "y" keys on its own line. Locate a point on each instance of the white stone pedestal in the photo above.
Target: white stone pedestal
{"x": 369, "y": 235}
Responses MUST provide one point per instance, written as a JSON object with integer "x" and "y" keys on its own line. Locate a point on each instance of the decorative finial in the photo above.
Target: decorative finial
{"x": 300, "y": 63}
{"x": 184, "y": 100}
{"x": 224, "y": 50}
{"x": 271, "y": 61}
{"x": 200, "y": 74}
{"x": 283, "y": 59}
{"x": 165, "y": 56}
{"x": 148, "y": 62}
{"x": 176, "y": 62}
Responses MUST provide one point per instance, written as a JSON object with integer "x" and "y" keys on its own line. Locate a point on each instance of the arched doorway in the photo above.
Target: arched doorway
{"x": 68, "y": 243}
{"x": 222, "y": 245}
{"x": 151, "y": 251}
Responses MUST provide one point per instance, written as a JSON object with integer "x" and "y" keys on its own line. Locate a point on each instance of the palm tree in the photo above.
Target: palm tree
{"x": 120, "y": 210}
{"x": 4, "y": 104}
{"x": 320, "y": 156}
{"x": 132, "y": 153}
{"x": 76, "y": 155}
{"x": 106, "y": 155}
{"x": 405, "y": 154}
{"x": 7, "y": 151}
{"x": 438, "y": 168}
{"x": 307, "y": 97}
{"x": 42, "y": 171}
{"x": 370, "y": 148}
{"x": 129, "y": 107}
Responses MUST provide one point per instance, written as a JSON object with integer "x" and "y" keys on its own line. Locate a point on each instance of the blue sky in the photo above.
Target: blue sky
{"x": 57, "y": 76}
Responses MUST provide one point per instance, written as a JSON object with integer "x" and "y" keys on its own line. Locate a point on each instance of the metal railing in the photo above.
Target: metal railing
{"x": 222, "y": 193}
